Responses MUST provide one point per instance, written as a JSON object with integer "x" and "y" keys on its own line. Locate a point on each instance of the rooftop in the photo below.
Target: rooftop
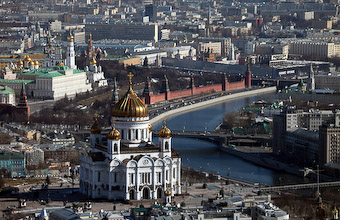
{"x": 6, "y": 90}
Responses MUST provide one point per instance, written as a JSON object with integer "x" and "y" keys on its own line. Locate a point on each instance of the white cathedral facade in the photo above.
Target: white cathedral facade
{"x": 125, "y": 164}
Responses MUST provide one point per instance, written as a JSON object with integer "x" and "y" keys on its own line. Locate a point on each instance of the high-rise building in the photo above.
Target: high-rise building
{"x": 151, "y": 11}
{"x": 329, "y": 144}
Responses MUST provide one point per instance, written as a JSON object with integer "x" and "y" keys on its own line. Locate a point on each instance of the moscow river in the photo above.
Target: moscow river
{"x": 206, "y": 156}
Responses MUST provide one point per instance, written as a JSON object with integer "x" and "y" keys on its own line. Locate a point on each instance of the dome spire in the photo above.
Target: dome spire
{"x": 130, "y": 75}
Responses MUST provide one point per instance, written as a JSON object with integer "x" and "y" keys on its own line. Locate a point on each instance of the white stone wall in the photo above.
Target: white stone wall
{"x": 7, "y": 99}
{"x": 131, "y": 175}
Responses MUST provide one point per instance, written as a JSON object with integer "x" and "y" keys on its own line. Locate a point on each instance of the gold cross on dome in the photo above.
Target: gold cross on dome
{"x": 164, "y": 121}
{"x": 130, "y": 75}
{"x": 113, "y": 122}
{"x": 96, "y": 116}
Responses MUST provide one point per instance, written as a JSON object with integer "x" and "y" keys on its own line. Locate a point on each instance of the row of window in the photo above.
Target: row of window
{"x": 145, "y": 178}
{"x": 134, "y": 134}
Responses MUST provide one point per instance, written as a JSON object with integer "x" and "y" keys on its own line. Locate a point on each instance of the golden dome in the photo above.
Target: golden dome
{"x": 70, "y": 38}
{"x": 32, "y": 63}
{"x": 93, "y": 61}
{"x": 165, "y": 131}
{"x": 167, "y": 193}
{"x": 61, "y": 64}
{"x": 114, "y": 134}
{"x": 20, "y": 63}
{"x": 149, "y": 126}
{"x": 27, "y": 58}
{"x": 96, "y": 129}
{"x": 130, "y": 105}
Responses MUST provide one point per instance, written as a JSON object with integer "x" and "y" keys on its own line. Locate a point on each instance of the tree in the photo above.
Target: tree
{"x": 48, "y": 181}
{"x": 3, "y": 173}
{"x": 146, "y": 61}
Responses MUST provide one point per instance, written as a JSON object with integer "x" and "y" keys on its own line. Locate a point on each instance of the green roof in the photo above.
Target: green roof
{"x": 50, "y": 72}
{"x": 77, "y": 71}
{"x": 15, "y": 81}
{"x": 6, "y": 90}
{"x": 140, "y": 209}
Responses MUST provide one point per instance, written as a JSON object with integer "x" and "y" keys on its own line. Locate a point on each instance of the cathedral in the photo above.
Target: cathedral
{"x": 125, "y": 164}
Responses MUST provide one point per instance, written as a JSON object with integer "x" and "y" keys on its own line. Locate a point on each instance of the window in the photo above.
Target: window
{"x": 166, "y": 145}
{"x": 174, "y": 173}
{"x": 115, "y": 148}
{"x": 131, "y": 178}
{"x": 137, "y": 134}
{"x": 122, "y": 134}
{"x": 159, "y": 177}
{"x": 115, "y": 177}
{"x": 98, "y": 176}
{"x": 130, "y": 134}
{"x": 167, "y": 175}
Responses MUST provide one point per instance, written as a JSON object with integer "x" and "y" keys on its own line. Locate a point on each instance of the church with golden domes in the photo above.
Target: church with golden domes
{"x": 125, "y": 164}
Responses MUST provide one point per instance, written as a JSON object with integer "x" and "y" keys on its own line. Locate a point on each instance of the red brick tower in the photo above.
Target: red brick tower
{"x": 192, "y": 84}
{"x": 22, "y": 108}
{"x": 147, "y": 93}
{"x": 248, "y": 76}
{"x": 166, "y": 88}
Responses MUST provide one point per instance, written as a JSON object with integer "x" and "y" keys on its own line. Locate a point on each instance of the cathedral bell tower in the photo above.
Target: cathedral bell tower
{"x": 96, "y": 136}
{"x": 70, "y": 54}
{"x": 113, "y": 142}
{"x": 165, "y": 138}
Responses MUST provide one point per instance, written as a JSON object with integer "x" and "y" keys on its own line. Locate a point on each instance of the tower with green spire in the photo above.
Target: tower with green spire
{"x": 166, "y": 88}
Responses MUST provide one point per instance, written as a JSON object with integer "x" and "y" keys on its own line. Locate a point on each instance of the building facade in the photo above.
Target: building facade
{"x": 126, "y": 164}
{"x": 330, "y": 144}
{"x": 95, "y": 74}
{"x": 312, "y": 48}
{"x": 7, "y": 95}
{"x": 13, "y": 162}
{"x": 123, "y": 31}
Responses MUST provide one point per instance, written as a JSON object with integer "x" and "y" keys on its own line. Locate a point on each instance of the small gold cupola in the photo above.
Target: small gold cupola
{"x": 165, "y": 131}
{"x": 96, "y": 129}
{"x": 70, "y": 38}
{"x": 93, "y": 61}
{"x": 114, "y": 133}
{"x": 167, "y": 192}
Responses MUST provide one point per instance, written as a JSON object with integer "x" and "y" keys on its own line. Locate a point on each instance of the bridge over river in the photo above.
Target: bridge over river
{"x": 265, "y": 188}
{"x": 299, "y": 186}
{"x": 217, "y": 137}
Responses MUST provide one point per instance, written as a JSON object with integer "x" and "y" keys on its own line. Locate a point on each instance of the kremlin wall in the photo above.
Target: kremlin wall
{"x": 166, "y": 94}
